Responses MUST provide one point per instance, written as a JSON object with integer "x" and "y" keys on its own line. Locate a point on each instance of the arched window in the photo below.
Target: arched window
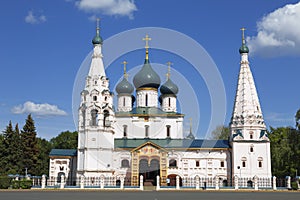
{"x": 106, "y": 122}
{"x": 251, "y": 148}
{"x": 124, "y": 130}
{"x": 172, "y": 163}
{"x": 146, "y": 100}
{"x": 251, "y": 136}
{"x": 146, "y": 131}
{"x": 125, "y": 163}
{"x": 124, "y": 101}
{"x": 168, "y": 130}
{"x": 169, "y": 99}
{"x": 244, "y": 160}
{"x": 260, "y": 162}
{"x": 94, "y": 98}
{"x": 222, "y": 164}
{"x": 105, "y": 98}
{"x": 197, "y": 163}
{"x": 94, "y": 116}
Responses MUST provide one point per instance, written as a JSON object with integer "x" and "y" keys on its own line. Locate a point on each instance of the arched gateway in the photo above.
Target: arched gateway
{"x": 150, "y": 161}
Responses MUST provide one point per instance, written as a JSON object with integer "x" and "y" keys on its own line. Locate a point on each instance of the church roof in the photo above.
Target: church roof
{"x": 172, "y": 143}
{"x": 63, "y": 152}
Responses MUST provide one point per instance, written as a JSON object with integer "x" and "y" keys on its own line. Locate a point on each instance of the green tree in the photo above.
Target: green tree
{"x": 65, "y": 140}
{"x": 2, "y": 156}
{"x": 297, "y": 118}
{"x": 30, "y": 150}
{"x": 221, "y": 133}
{"x": 44, "y": 147}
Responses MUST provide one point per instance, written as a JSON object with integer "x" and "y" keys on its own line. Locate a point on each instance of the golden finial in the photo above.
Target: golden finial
{"x": 169, "y": 69}
{"x": 147, "y": 39}
{"x": 243, "y": 35}
{"x": 125, "y": 73}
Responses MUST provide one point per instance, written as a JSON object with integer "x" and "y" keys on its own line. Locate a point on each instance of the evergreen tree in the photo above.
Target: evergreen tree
{"x": 2, "y": 161}
{"x": 30, "y": 151}
{"x": 43, "y": 158}
{"x": 65, "y": 140}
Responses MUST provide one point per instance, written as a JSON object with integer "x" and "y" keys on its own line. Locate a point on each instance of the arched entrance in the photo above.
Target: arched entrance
{"x": 172, "y": 180}
{"x": 149, "y": 170}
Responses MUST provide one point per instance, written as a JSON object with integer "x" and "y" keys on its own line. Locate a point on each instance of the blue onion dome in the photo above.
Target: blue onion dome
{"x": 124, "y": 87}
{"x": 244, "y": 49}
{"x": 169, "y": 87}
{"x": 146, "y": 77}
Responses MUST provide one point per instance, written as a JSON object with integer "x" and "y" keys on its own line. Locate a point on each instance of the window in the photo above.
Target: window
{"x": 146, "y": 100}
{"x": 106, "y": 122}
{"x": 94, "y": 98}
{"x": 125, "y": 163}
{"x": 244, "y": 164}
{"x": 260, "y": 162}
{"x": 94, "y": 116}
{"x": 124, "y": 101}
{"x": 105, "y": 98}
{"x": 222, "y": 164}
{"x": 168, "y": 130}
{"x": 251, "y": 136}
{"x": 251, "y": 148}
{"x": 146, "y": 131}
{"x": 169, "y": 101}
{"x": 61, "y": 168}
{"x": 125, "y": 131}
{"x": 197, "y": 163}
{"x": 172, "y": 163}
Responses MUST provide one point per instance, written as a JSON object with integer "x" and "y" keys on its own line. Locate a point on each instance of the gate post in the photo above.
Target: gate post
{"x": 62, "y": 182}
{"x": 255, "y": 182}
{"x": 274, "y": 183}
{"x": 81, "y": 181}
{"x": 217, "y": 182}
{"x": 122, "y": 178}
{"x": 236, "y": 182}
{"x": 177, "y": 183}
{"x": 141, "y": 182}
{"x": 102, "y": 182}
{"x": 288, "y": 182}
{"x": 157, "y": 183}
{"x": 197, "y": 182}
{"x": 43, "y": 181}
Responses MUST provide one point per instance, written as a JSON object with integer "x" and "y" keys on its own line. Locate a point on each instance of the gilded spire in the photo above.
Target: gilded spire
{"x": 125, "y": 73}
{"x": 243, "y": 35}
{"x": 147, "y": 39}
{"x": 244, "y": 48}
{"x": 97, "y": 39}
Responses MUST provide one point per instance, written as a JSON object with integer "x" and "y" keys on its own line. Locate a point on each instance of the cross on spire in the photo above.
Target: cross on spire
{"x": 124, "y": 64}
{"x": 243, "y": 35}
{"x": 147, "y": 39}
{"x": 169, "y": 69}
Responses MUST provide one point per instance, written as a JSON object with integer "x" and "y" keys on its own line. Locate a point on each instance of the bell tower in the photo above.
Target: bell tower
{"x": 96, "y": 118}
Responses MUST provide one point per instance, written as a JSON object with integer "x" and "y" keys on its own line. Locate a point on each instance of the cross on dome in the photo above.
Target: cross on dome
{"x": 169, "y": 69}
{"x": 125, "y": 73}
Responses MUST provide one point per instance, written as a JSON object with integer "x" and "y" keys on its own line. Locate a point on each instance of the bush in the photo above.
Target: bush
{"x": 5, "y": 182}
{"x": 22, "y": 184}
{"x": 294, "y": 185}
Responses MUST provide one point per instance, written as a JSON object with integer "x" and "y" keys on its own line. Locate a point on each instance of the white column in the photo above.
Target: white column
{"x": 236, "y": 182}
{"x": 43, "y": 181}
{"x": 102, "y": 182}
{"x": 177, "y": 183}
{"x": 288, "y": 182}
{"x": 141, "y": 182}
{"x": 217, "y": 182}
{"x": 197, "y": 183}
{"x": 122, "y": 179}
{"x": 255, "y": 182}
{"x": 157, "y": 183}
{"x": 82, "y": 182}
{"x": 62, "y": 182}
{"x": 274, "y": 183}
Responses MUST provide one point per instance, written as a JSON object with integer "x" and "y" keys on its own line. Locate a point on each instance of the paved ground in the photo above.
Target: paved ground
{"x": 146, "y": 195}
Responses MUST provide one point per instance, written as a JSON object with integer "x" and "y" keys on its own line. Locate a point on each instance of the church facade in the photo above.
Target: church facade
{"x": 144, "y": 134}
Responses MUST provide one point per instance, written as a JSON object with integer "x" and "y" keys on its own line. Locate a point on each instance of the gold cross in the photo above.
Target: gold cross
{"x": 169, "y": 69}
{"x": 243, "y": 33}
{"x": 125, "y": 63}
{"x": 147, "y": 39}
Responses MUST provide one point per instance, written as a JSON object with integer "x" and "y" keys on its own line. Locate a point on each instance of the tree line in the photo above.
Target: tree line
{"x": 284, "y": 144}
{"x": 21, "y": 151}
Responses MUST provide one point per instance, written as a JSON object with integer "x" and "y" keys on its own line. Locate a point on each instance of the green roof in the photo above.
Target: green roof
{"x": 63, "y": 152}
{"x": 172, "y": 143}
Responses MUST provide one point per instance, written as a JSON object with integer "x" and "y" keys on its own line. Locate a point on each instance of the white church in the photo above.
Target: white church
{"x": 144, "y": 134}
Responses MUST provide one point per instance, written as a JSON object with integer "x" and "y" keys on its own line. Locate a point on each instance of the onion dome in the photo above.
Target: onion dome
{"x": 169, "y": 87}
{"x": 97, "y": 39}
{"x": 146, "y": 77}
{"x": 124, "y": 87}
{"x": 243, "y": 48}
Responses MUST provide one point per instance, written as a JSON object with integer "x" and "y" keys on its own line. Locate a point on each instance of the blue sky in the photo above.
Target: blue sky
{"x": 43, "y": 44}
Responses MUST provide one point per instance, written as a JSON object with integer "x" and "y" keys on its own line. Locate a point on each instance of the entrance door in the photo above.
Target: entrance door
{"x": 149, "y": 172}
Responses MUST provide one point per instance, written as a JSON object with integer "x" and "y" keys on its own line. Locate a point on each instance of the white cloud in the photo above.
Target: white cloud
{"x": 108, "y": 7}
{"x": 38, "y": 109}
{"x": 278, "y": 33}
{"x": 35, "y": 19}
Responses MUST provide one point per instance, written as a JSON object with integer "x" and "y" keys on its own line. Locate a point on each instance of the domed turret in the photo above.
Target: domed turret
{"x": 169, "y": 87}
{"x": 124, "y": 87}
